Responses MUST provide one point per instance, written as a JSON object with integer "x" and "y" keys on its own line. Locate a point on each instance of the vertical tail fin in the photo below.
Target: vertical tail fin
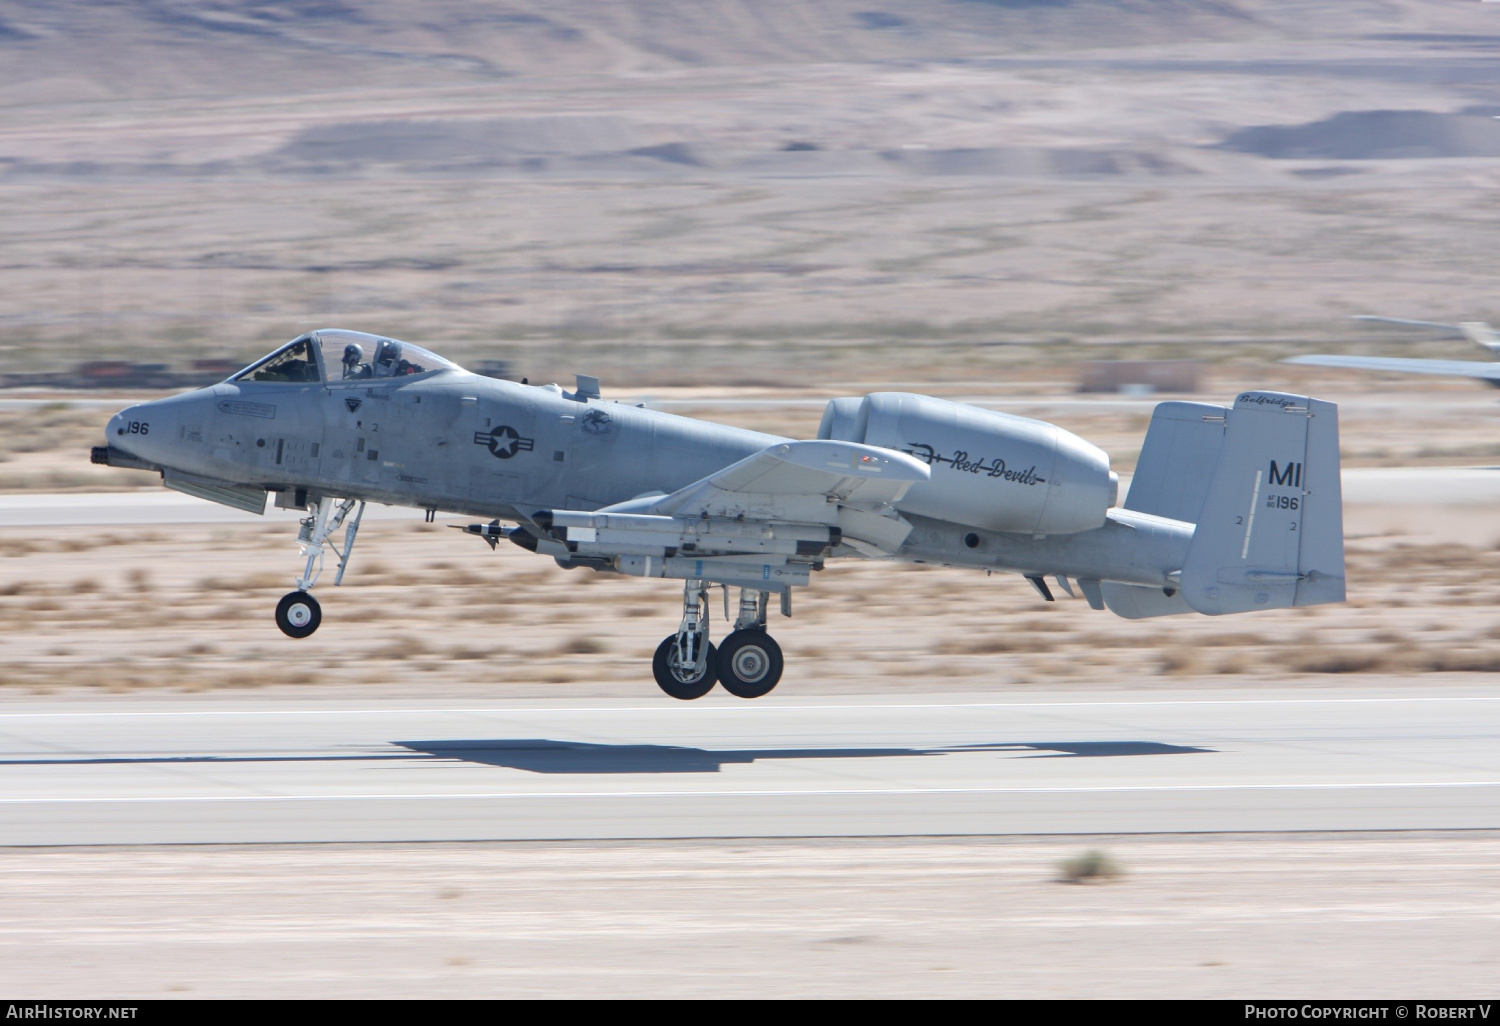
{"x": 1271, "y": 530}
{"x": 1177, "y": 460}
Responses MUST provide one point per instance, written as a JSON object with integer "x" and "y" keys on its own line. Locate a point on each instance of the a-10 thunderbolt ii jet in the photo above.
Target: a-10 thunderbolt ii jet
{"x": 1477, "y": 332}
{"x": 1233, "y": 508}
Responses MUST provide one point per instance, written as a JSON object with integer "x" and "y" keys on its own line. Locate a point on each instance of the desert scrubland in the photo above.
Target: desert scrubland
{"x": 1305, "y": 918}
{"x": 706, "y": 201}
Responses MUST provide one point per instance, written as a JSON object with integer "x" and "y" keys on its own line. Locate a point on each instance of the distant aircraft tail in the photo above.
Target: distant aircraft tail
{"x": 1270, "y": 529}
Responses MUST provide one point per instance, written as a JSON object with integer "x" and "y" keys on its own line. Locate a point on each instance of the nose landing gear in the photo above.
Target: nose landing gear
{"x": 748, "y": 664}
{"x": 298, "y": 614}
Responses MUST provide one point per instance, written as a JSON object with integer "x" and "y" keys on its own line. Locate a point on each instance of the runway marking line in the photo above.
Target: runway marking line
{"x": 813, "y": 793}
{"x": 739, "y": 708}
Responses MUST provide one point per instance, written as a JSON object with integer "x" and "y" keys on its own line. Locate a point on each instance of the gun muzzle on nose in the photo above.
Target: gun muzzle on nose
{"x": 124, "y": 427}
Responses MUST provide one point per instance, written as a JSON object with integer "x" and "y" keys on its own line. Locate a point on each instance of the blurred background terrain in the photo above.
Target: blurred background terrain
{"x": 759, "y": 192}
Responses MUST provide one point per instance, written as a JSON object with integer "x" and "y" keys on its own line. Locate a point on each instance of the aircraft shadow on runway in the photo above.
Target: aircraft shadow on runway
{"x": 543, "y": 756}
{"x": 540, "y": 755}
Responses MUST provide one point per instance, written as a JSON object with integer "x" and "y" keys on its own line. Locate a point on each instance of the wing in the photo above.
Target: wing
{"x": 794, "y": 480}
{"x": 1403, "y": 365}
{"x": 793, "y": 499}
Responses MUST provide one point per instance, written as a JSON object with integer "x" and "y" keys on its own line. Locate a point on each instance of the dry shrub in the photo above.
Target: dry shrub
{"x": 1341, "y": 659}
{"x": 1239, "y": 639}
{"x": 465, "y": 653}
{"x": 138, "y": 578}
{"x": 85, "y": 586}
{"x": 1179, "y": 659}
{"x": 1110, "y": 639}
{"x": 583, "y": 644}
{"x": 404, "y": 647}
{"x": 243, "y": 680}
{"x": 250, "y": 582}
{"x": 992, "y": 644}
{"x": 1428, "y": 557}
{"x": 1092, "y": 866}
{"x": 1458, "y": 661}
{"x": 636, "y": 612}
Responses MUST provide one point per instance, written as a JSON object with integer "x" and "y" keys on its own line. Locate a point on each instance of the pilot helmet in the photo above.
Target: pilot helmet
{"x": 386, "y": 355}
{"x": 353, "y": 354}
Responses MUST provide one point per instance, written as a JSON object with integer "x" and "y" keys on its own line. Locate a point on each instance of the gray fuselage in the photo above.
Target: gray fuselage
{"x": 455, "y": 441}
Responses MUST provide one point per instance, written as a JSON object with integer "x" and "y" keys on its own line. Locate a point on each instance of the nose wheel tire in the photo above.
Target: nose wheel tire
{"x": 298, "y": 614}
{"x": 750, "y": 663}
{"x": 680, "y": 683}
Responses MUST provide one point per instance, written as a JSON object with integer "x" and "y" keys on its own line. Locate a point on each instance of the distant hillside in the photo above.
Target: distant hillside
{"x": 83, "y": 49}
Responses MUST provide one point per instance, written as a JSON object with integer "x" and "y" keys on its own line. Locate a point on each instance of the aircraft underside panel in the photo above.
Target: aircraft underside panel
{"x": 737, "y": 572}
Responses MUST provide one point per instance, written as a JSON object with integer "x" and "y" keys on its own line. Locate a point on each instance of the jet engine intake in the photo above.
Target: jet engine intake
{"x": 992, "y": 470}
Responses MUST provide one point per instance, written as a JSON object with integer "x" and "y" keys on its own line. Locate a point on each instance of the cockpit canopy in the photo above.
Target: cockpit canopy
{"x": 336, "y": 356}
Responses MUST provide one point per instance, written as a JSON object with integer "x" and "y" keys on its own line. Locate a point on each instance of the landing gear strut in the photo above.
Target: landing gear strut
{"x": 750, "y": 661}
{"x": 685, "y": 664}
{"x": 748, "y": 664}
{"x": 298, "y": 613}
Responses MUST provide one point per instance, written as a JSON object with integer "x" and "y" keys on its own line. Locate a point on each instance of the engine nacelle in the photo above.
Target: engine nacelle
{"x": 991, "y": 470}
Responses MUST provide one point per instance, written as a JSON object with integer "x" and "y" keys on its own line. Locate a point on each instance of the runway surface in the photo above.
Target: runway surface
{"x": 1398, "y": 486}
{"x": 304, "y": 769}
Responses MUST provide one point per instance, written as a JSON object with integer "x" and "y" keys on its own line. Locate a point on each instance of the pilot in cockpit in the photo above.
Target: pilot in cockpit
{"x": 353, "y": 367}
{"x": 389, "y": 362}
{"x": 387, "y": 355}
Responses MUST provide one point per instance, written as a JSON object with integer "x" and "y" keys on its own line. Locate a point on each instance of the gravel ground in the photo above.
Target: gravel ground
{"x": 1305, "y": 917}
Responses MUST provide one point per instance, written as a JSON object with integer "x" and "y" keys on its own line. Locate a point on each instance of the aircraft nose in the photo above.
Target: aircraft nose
{"x": 135, "y": 428}
{"x": 119, "y": 430}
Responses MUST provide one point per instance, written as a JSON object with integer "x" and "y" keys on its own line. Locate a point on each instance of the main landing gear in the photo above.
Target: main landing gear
{"x": 748, "y": 663}
{"x": 298, "y": 613}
